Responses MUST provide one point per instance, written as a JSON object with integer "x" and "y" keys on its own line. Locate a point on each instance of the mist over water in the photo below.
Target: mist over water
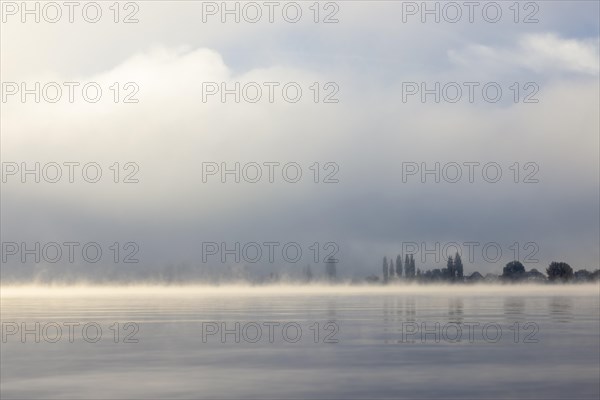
{"x": 337, "y": 199}
{"x": 283, "y": 289}
{"x": 371, "y": 341}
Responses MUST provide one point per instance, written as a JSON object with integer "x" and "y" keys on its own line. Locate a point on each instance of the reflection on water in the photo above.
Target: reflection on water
{"x": 561, "y": 309}
{"x": 514, "y": 306}
{"x": 340, "y": 343}
{"x": 455, "y": 310}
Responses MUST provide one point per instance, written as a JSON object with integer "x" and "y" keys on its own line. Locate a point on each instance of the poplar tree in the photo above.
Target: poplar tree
{"x": 450, "y": 267}
{"x": 385, "y": 270}
{"x": 458, "y": 266}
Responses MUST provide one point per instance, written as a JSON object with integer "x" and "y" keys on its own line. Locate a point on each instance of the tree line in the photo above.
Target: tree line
{"x": 513, "y": 271}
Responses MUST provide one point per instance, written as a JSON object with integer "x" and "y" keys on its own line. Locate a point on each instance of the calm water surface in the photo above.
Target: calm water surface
{"x": 346, "y": 342}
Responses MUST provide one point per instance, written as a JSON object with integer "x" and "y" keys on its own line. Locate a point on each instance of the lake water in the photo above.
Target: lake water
{"x": 479, "y": 342}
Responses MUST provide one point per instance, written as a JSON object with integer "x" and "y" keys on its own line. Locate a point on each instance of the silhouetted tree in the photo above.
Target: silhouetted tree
{"x": 385, "y": 270}
{"x": 458, "y": 266}
{"x": 330, "y": 269}
{"x": 535, "y": 275}
{"x": 445, "y": 274}
{"x": 583, "y": 275}
{"x": 392, "y": 272}
{"x": 308, "y": 275}
{"x": 514, "y": 270}
{"x": 559, "y": 271}
{"x": 412, "y": 267}
{"x": 450, "y": 268}
{"x": 399, "y": 266}
{"x": 406, "y": 266}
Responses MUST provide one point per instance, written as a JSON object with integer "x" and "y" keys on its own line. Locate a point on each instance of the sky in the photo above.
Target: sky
{"x": 368, "y": 131}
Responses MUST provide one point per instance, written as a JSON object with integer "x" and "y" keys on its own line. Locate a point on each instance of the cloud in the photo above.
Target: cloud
{"x": 369, "y": 133}
{"x": 369, "y": 213}
{"x": 543, "y": 53}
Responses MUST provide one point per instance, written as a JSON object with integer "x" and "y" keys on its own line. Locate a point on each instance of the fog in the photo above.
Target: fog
{"x": 210, "y": 219}
{"x": 369, "y": 134}
{"x": 317, "y": 289}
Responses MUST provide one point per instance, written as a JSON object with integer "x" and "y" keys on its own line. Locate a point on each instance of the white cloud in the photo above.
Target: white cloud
{"x": 369, "y": 133}
{"x": 171, "y": 132}
{"x": 543, "y": 53}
